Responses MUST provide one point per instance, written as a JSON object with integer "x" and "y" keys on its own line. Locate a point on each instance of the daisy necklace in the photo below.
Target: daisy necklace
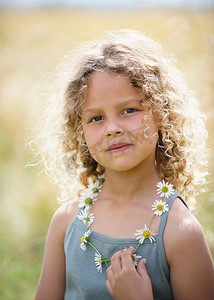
{"x": 86, "y": 201}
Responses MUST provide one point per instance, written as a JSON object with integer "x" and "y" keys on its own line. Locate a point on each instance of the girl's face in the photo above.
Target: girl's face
{"x": 120, "y": 133}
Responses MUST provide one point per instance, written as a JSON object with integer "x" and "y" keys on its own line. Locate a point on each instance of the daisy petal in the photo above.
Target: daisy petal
{"x": 145, "y": 233}
{"x": 98, "y": 262}
{"x": 86, "y": 217}
{"x": 160, "y": 207}
{"x": 84, "y": 240}
{"x": 165, "y": 189}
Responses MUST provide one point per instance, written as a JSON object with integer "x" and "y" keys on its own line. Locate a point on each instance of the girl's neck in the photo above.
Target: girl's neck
{"x": 131, "y": 185}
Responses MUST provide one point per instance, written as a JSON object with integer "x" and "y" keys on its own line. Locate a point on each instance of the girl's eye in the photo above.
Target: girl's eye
{"x": 96, "y": 119}
{"x": 129, "y": 111}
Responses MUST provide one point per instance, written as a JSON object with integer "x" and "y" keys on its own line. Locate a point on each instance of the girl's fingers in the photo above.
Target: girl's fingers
{"x": 108, "y": 286}
{"x": 116, "y": 261}
{"x": 124, "y": 281}
{"x": 120, "y": 260}
{"x": 126, "y": 258}
{"x": 110, "y": 274}
{"x": 141, "y": 269}
{"x": 114, "y": 268}
{"x": 110, "y": 281}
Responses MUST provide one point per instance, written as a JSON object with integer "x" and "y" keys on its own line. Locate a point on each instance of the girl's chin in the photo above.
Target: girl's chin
{"x": 121, "y": 167}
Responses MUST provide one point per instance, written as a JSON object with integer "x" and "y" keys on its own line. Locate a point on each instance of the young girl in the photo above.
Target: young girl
{"x": 132, "y": 130}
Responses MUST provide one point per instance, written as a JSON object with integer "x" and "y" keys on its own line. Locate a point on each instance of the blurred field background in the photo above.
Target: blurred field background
{"x": 32, "y": 43}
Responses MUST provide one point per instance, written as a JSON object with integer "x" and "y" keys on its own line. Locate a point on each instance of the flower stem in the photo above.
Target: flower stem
{"x": 137, "y": 247}
{"x": 151, "y": 220}
{"x": 168, "y": 199}
{"x": 98, "y": 253}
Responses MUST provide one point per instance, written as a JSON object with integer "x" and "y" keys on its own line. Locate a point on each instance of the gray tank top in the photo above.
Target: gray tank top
{"x": 84, "y": 282}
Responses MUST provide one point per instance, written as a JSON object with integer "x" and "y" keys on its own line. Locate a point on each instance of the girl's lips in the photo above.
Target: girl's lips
{"x": 118, "y": 147}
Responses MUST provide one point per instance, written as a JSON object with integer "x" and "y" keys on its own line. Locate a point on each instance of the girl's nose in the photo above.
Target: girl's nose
{"x": 113, "y": 129}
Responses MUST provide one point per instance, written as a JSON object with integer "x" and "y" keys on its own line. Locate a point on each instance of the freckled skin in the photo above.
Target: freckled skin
{"x": 117, "y": 116}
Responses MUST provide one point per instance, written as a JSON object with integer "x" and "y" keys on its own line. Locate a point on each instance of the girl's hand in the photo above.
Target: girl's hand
{"x": 124, "y": 281}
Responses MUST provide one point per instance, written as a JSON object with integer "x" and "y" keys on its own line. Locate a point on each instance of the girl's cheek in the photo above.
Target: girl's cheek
{"x": 91, "y": 138}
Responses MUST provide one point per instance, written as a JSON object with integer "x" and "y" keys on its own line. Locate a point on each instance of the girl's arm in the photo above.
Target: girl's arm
{"x": 52, "y": 280}
{"x": 191, "y": 266}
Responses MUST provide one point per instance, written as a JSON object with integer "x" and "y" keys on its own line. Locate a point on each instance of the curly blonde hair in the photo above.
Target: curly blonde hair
{"x": 181, "y": 154}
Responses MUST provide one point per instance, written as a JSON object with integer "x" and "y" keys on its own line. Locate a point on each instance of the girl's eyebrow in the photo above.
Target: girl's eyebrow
{"x": 122, "y": 103}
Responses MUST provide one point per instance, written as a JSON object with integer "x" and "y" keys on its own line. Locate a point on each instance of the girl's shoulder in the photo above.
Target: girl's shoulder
{"x": 181, "y": 219}
{"x": 64, "y": 216}
{"x": 182, "y": 230}
{"x": 188, "y": 255}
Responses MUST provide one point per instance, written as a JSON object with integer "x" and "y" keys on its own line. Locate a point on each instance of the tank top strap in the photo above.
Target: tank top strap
{"x": 164, "y": 215}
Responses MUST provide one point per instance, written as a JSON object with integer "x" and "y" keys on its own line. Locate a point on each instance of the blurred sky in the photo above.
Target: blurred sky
{"x": 109, "y": 3}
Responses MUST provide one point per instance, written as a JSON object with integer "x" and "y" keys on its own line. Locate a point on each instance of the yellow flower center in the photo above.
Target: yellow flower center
{"x": 160, "y": 207}
{"x": 100, "y": 261}
{"x": 146, "y": 234}
{"x": 82, "y": 239}
{"x": 165, "y": 189}
{"x": 133, "y": 258}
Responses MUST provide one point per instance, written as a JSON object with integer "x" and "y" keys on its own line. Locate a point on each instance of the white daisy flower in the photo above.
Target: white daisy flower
{"x": 135, "y": 258}
{"x": 84, "y": 240}
{"x": 94, "y": 187}
{"x": 160, "y": 207}
{"x": 164, "y": 189}
{"x": 87, "y": 200}
{"x": 145, "y": 233}
{"x": 98, "y": 262}
{"x": 86, "y": 217}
